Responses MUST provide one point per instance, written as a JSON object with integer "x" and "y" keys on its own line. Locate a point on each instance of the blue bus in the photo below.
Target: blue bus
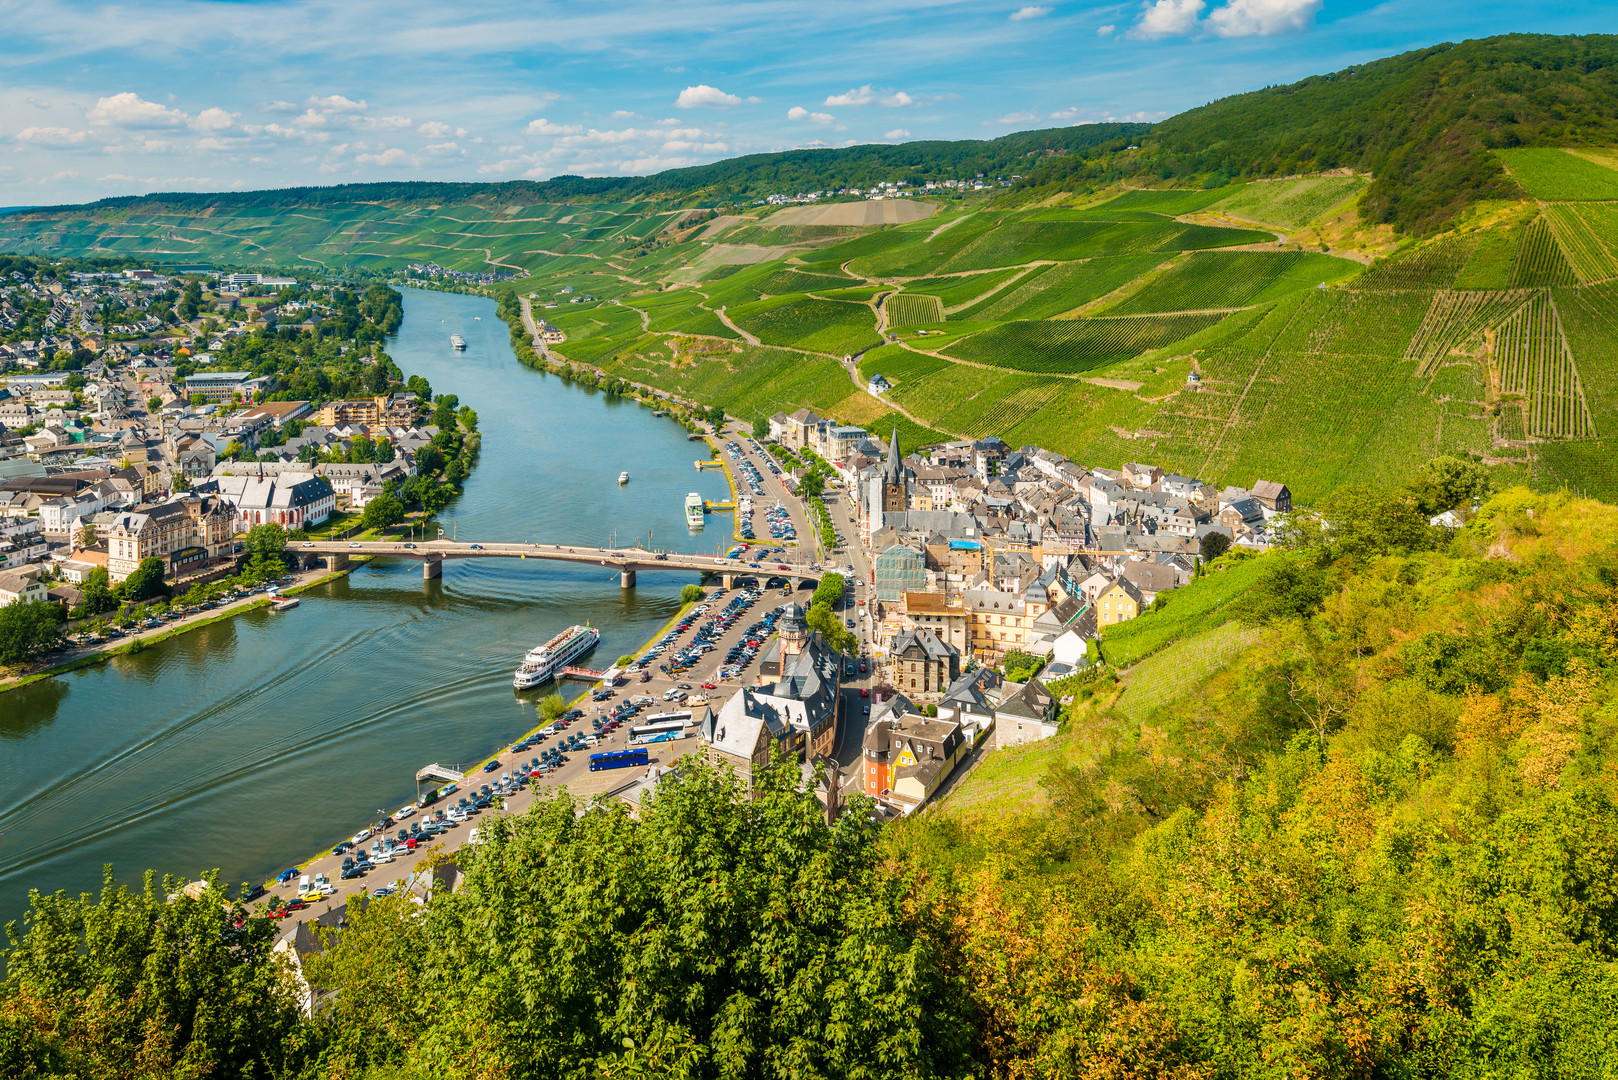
{"x": 619, "y": 759}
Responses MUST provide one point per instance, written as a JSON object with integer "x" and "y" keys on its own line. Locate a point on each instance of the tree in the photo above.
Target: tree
{"x": 761, "y": 429}
{"x": 824, "y": 620}
{"x": 154, "y": 983}
{"x": 716, "y": 416}
{"x": 154, "y": 403}
{"x": 829, "y": 591}
{"x": 145, "y": 581}
{"x": 265, "y": 548}
{"x": 28, "y": 629}
{"x": 732, "y": 908}
{"x": 382, "y": 512}
{"x": 95, "y": 595}
{"x": 1212, "y": 545}
{"x": 691, "y": 594}
{"x": 551, "y": 706}
{"x": 87, "y": 537}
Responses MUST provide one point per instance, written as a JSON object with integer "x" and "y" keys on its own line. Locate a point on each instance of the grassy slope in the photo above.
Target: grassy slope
{"x": 1315, "y": 386}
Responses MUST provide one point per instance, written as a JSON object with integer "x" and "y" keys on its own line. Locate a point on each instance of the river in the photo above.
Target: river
{"x": 251, "y": 743}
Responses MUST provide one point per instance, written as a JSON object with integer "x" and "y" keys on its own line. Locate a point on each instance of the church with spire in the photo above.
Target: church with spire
{"x": 887, "y": 490}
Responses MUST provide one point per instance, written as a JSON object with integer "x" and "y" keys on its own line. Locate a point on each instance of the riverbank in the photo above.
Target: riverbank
{"x": 476, "y": 768}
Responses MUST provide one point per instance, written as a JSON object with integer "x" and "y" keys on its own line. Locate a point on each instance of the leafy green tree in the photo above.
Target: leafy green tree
{"x": 1212, "y": 545}
{"x": 552, "y": 706}
{"x": 761, "y": 429}
{"x": 747, "y": 938}
{"x": 823, "y": 619}
{"x": 691, "y": 594}
{"x": 95, "y": 595}
{"x": 28, "y": 629}
{"x": 156, "y": 983}
{"x": 625, "y": 660}
{"x": 145, "y": 581}
{"x": 715, "y": 416}
{"x": 382, "y": 512}
{"x": 829, "y": 591}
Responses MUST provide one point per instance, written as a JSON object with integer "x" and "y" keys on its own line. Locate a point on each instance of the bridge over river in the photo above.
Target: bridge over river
{"x": 432, "y": 554}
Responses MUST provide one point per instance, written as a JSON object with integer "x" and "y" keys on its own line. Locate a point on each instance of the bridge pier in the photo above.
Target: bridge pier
{"x": 432, "y": 568}
{"x": 626, "y": 579}
{"x": 337, "y": 562}
{"x": 728, "y": 581}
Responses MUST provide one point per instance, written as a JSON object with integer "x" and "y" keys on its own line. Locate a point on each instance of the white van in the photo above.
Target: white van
{"x": 303, "y": 884}
{"x": 591, "y": 740}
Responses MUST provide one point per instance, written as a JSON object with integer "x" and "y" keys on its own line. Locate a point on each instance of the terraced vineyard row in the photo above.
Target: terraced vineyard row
{"x": 1532, "y": 360}
{"x": 1592, "y": 257}
{"x": 913, "y": 309}
{"x": 1457, "y": 319}
{"x": 1078, "y": 344}
{"x": 1540, "y": 261}
{"x": 1433, "y": 267}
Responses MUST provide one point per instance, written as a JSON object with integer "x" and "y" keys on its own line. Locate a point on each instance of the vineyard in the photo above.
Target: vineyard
{"x": 964, "y": 290}
{"x": 899, "y": 364}
{"x": 1055, "y": 289}
{"x": 1228, "y": 279}
{"x": 827, "y": 326}
{"x": 1433, "y": 266}
{"x": 975, "y": 402}
{"x": 1590, "y": 252}
{"x": 913, "y": 309}
{"x": 1078, "y": 344}
{"x": 1290, "y": 203}
{"x": 1540, "y": 261}
{"x": 1456, "y": 320}
{"x": 1532, "y": 361}
{"x": 1558, "y": 176}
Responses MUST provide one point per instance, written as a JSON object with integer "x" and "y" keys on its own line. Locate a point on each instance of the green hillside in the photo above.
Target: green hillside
{"x": 1225, "y": 328}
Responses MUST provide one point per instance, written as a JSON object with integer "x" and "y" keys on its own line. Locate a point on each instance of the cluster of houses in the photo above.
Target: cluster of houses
{"x": 887, "y": 189}
{"x": 93, "y": 476}
{"x": 980, "y": 550}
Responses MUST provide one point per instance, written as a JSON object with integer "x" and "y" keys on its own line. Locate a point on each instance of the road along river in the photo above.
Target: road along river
{"x": 260, "y": 739}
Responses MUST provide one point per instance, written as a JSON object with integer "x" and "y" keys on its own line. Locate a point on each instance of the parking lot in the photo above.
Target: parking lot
{"x": 706, "y": 657}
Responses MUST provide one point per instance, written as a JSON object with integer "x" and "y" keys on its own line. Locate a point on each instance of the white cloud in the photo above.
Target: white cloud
{"x": 128, "y": 110}
{"x": 1247, "y": 18}
{"x": 59, "y": 137}
{"x": 435, "y": 129}
{"x": 384, "y": 123}
{"x": 1105, "y": 30}
{"x": 1065, "y": 114}
{"x": 1167, "y": 18}
{"x": 1029, "y": 13}
{"x": 392, "y": 158}
{"x": 213, "y": 120}
{"x": 624, "y": 114}
{"x": 444, "y": 149}
{"x": 702, "y": 94}
{"x": 897, "y": 133}
{"x": 335, "y": 103}
{"x": 798, "y": 112}
{"x": 38, "y": 103}
{"x": 1014, "y": 118}
{"x": 543, "y": 126}
{"x": 868, "y": 95}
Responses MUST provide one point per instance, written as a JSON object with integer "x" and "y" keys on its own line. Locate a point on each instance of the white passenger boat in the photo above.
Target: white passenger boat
{"x": 284, "y": 603}
{"x": 694, "y": 510}
{"x": 623, "y": 477}
{"x": 457, "y": 343}
{"x": 546, "y": 661}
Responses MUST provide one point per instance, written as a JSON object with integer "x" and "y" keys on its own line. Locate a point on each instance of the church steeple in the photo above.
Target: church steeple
{"x": 894, "y": 466}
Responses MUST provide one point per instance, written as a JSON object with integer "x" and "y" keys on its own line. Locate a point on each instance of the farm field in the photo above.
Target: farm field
{"x": 1558, "y": 176}
{"x": 1052, "y": 290}
{"x": 907, "y": 309}
{"x": 1228, "y": 279}
{"x": 1290, "y": 203}
{"x": 1077, "y": 344}
{"x": 828, "y": 326}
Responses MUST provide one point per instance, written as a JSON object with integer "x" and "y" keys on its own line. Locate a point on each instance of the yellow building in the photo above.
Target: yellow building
{"x": 1118, "y": 602}
{"x": 384, "y": 409}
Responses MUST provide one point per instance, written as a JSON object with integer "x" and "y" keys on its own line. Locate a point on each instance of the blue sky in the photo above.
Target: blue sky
{"x": 117, "y": 98}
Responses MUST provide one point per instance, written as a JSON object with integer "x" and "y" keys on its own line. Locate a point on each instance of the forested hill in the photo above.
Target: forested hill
{"x": 1423, "y": 123}
{"x": 735, "y": 179}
